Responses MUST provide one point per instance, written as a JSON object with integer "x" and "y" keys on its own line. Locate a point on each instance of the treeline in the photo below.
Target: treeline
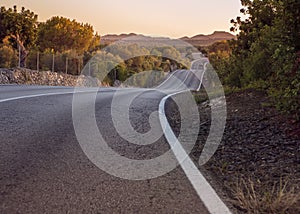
{"x": 266, "y": 54}
{"x": 64, "y": 45}
{"x": 23, "y": 39}
{"x": 120, "y": 62}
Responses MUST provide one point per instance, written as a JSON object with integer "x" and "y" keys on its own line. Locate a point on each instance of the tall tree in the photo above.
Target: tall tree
{"x": 20, "y": 27}
{"x": 268, "y": 50}
{"x": 62, "y": 34}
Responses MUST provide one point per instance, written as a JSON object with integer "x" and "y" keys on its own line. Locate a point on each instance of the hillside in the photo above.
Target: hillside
{"x": 205, "y": 40}
{"x": 198, "y": 40}
{"x": 109, "y": 38}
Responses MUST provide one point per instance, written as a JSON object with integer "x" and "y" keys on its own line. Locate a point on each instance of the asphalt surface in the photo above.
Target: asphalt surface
{"x": 43, "y": 169}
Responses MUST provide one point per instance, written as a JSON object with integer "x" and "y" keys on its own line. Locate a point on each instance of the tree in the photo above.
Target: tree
{"x": 20, "y": 27}
{"x": 8, "y": 56}
{"x": 267, "y": 50}
{"x": 62, "y": 34}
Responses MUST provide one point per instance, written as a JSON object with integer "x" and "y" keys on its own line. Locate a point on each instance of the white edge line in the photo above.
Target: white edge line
{"x": 182, "y": 83}
{"x": 60, "y": 93}
{"x": 40, "y": 95}
{"x": 206, "y": 193}
{"x": 204, "y": 190}
{"x": 194, "y": 71}
{"x": 167, "y": 79}
{"x": 204, "y": 68}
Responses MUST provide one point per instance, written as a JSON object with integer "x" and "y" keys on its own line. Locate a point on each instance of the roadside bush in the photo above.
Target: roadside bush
{"x": 8, "y": 57}
{"x": 266, "y": 54}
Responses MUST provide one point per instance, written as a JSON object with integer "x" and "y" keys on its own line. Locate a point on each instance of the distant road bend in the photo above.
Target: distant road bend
{"x": 43, "y": 169}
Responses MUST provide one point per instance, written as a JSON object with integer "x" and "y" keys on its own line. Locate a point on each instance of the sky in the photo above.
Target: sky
{"x": 171, "y": 18}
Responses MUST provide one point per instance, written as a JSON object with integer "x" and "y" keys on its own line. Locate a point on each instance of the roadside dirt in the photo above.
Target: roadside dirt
{"x": 256, "y": 168}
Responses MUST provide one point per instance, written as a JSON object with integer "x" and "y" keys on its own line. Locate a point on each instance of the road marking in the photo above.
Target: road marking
{"x": 167, "y": 79}
{"x": 204, "y": 67}
{"x": 206, "y": 193}
{"x": 182, "y": 83}
{"x": 204, "y": 190}
{"x": 40, "y": 95}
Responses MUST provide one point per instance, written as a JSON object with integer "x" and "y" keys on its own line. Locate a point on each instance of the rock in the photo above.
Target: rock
{"x": 27, "y": 76}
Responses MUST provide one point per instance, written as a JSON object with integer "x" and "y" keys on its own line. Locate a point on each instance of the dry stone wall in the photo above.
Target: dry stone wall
{"x": 32, "y": 77}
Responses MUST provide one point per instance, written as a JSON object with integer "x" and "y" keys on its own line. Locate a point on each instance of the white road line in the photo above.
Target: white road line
{"x": 195, "y": 70}
{"x": 182, "y": 83}
{"x": 70, "y": 92}
{"x": 40, "y": 95}
{"x": 204, "y": 67}
{"x": 206, "y": 193}
{"x": 172, "y": 74}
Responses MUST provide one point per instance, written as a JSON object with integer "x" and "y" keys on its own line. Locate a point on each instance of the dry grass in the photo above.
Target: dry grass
{"x": 255, "y": 197}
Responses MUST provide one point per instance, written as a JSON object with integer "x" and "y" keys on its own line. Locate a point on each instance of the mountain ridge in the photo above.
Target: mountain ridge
{"x": 197, "y": 40}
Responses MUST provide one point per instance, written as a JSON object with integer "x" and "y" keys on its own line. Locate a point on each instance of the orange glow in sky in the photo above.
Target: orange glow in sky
{"x": 173, "y": 18}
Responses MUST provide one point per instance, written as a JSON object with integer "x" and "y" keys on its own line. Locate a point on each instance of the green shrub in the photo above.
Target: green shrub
{"x": 8, "y": 57}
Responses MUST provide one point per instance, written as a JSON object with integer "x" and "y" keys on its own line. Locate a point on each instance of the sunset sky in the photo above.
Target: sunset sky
{"x": 173, "y": 18}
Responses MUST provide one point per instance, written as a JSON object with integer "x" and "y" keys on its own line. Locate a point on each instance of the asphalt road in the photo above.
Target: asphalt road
{"x": 43, "y": 169}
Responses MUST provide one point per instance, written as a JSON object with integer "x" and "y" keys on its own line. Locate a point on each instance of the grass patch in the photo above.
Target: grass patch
{"x": 255, "y": 197}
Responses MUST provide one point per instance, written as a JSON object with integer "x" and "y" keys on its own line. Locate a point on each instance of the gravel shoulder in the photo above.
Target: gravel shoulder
{"x": 259, "y": 155}
{"x": 256, "y": 168}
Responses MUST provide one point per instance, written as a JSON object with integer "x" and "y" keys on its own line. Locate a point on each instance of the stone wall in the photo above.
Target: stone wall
{"x": 31, "y": 77}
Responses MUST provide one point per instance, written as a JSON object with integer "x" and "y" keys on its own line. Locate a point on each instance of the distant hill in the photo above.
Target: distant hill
{"x": 205, "y": 40}
{"x": 109, "y": 38}
{"x": 198, "y": 40}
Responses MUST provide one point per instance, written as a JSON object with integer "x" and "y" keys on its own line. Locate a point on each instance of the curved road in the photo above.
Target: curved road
{"x": 44, "y": 170}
